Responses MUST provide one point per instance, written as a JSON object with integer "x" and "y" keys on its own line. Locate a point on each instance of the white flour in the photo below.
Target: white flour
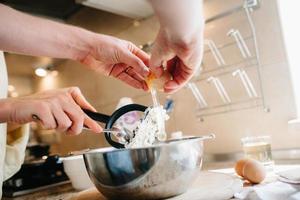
{"x": 150, "y": 129}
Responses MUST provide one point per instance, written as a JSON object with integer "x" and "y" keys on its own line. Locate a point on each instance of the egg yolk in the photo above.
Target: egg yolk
{"x": 150, "y": 79}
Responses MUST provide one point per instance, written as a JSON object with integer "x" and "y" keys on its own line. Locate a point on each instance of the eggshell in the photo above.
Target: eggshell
{"x": 158, "y": 83}
{"x": 254, "y": 171}
{"x": 239, "y": 166}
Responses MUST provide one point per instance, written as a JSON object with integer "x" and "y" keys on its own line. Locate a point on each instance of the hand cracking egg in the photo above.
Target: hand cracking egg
{"x": 251, "y": 170}
{"x": 158, "y": 83}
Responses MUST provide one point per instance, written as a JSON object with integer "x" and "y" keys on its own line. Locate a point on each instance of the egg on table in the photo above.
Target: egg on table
{"x": 239, "y": 166}
{"x": 251, "y": 170}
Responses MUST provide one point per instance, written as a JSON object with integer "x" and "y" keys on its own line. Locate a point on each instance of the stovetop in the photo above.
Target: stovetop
{"x": 36, "y": 175}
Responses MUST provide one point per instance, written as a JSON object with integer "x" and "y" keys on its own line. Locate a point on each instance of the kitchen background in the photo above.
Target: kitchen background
{"x": 230, "y": 126}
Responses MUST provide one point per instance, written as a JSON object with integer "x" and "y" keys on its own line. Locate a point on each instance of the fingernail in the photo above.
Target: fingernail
{"x": 99, "y": 130}
{"x": 146, "y": 72}
{"x": 94, "y": 109}
{"x": 172, "y": 85}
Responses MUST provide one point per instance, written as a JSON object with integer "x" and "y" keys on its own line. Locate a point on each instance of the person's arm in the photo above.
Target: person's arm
{"x": 179, "y": 42}
{"x": 25, "y": 34}
{"x": 22, "y": 33}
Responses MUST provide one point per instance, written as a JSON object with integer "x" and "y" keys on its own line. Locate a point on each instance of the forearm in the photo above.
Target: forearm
{"x": 5, "y": 108}
{"x": 179, "y": 18}
{"x": 22, "y": 33}
{"x": 5, "y": 113}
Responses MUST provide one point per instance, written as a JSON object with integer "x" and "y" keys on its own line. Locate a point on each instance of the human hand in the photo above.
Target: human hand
{"x": 118, "y": 58}
{"x": 105, "y": 54}
{"x": 179, "y": 42}
{"x": 182, "y": 56}
{"x": 53, "y": 109}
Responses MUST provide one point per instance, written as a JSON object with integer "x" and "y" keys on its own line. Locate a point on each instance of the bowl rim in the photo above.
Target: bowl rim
{"x": 170, "y": 142}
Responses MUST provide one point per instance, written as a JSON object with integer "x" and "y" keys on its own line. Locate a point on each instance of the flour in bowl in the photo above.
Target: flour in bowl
{"x": 150, "y": 129}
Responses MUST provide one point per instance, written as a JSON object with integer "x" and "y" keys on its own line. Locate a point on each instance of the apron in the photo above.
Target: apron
{"x": 11, "y": 156}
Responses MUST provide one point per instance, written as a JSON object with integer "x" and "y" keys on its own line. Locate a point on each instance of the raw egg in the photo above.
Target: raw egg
{"x": 251, "y": 170}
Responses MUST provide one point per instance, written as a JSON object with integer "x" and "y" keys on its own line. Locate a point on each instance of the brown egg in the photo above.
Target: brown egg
{"x": 239, "y": 166}
{"x": 251, "y": 170}
{"x": 254, "y": 171}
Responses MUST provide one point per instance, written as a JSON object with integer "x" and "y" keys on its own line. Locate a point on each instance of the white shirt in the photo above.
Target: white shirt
{"x": 11, "y": 156}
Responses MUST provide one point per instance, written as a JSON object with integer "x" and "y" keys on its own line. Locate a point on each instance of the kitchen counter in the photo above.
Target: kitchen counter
{"x": 66, "y": 192}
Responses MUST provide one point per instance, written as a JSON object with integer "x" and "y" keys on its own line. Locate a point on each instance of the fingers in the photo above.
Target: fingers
{"x": 118, "y": 69}
{"x": 181, "y": 75}
{"x": 156, "y": 61}
{"x": 71, "y": 108}
{"x": 141, "y": 54}
{"x": 80, "y": 99}
{"x": 92, "y": 125}
{"x": 171, "y": 87}
{"x": 130, "y": 81}
{"x": 56, "y": 109}
{"x": 168, "y": 48}
{"x": 61, "y": 118}
{"x": 133, "y": 74}
{"x": 135, "y": 62}
{"x": 79, "y": 118}
{"x": 44, "y": 116}
{"x": 133, "y": 80}
{"x": 159, "y": 55}
{"x": 118, "y": 59}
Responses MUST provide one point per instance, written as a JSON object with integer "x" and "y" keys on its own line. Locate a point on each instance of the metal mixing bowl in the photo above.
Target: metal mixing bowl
{"x": 155, "y": 172}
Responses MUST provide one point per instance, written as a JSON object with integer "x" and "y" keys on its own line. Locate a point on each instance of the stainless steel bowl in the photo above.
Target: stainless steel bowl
{"x": 155, "y": 172}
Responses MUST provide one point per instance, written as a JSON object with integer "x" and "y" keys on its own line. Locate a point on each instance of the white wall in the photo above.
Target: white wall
{"x": 289, "y": 17}
{"x": 229, "y": 128}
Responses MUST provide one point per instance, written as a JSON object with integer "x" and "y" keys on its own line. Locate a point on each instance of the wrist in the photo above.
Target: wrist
{"x": 184, "y": 41}
{"x": 5, "y": 110}
{"x": 98, "y": 44}
{"x": 82, "y": 44}
{"x": 183, "y": 20}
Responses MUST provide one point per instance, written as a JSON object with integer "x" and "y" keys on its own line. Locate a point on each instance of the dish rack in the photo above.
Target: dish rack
{"x": 242, "y": 74}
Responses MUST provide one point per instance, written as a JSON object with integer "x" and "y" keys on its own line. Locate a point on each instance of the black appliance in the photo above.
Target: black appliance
{"x": 36, "y": 174}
